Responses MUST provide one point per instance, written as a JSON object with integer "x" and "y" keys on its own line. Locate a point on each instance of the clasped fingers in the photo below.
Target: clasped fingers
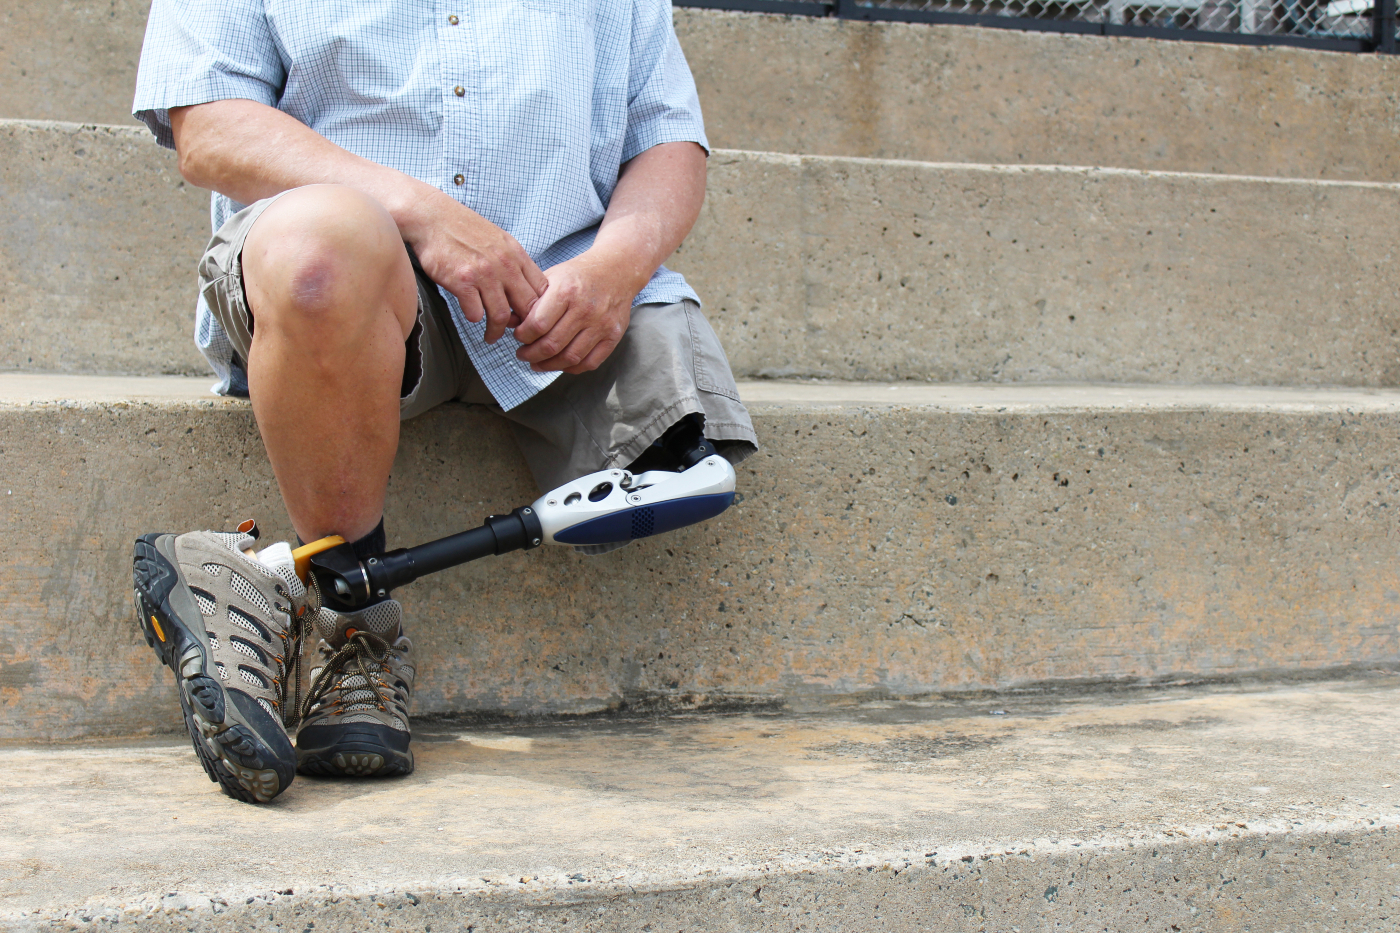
{"x": 487, "y": 269}
{"x": 571, "y": 332}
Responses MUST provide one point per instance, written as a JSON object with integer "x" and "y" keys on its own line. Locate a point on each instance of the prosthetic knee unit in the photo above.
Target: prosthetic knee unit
{"x": 680, "y": 480}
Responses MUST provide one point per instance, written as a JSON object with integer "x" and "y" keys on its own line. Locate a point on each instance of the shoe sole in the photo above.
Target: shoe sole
{"x": 354, "y": 750}
{"x": 240, "y": 746}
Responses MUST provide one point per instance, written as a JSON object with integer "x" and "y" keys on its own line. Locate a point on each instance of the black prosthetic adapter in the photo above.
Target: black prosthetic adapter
{"x": 354, "y": 582}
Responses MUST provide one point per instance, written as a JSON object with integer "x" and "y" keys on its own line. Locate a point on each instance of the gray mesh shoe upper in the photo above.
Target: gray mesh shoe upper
{"x": 362, "y": 669}
{"x": 249, "y": 615}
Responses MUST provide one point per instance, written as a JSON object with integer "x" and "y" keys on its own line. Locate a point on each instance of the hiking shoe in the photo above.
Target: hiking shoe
{"x": 226, "y": 626}
{"x": 355, "y": 717}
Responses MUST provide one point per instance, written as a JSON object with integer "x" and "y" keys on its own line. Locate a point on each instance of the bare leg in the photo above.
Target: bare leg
{"x": 333, "y": 298}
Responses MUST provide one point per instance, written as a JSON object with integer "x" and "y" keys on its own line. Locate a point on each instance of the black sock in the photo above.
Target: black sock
{"x": 372, "y": 544}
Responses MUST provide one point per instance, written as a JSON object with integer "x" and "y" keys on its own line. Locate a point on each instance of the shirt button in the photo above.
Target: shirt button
{"x": 459, "y": 90}
{"x": 459, "y": 179}
{"x": 453, "y": 19}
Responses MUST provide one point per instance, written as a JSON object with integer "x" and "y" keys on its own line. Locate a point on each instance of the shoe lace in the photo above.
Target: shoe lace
{"x": 364, "y": 653}
{"x": 293, "y": 640}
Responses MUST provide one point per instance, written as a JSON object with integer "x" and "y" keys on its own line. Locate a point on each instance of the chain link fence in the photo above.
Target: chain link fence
{"x": 1350, "y": 19}
{"x": 1336, "y": 25}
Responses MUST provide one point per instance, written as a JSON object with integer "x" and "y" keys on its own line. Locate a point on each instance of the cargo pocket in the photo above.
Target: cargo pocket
{"x": 712, "y": 373}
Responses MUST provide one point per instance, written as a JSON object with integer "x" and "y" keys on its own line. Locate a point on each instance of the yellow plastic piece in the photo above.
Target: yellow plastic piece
{"x": 160, "y": 633}
{"x": 302, "y": 555}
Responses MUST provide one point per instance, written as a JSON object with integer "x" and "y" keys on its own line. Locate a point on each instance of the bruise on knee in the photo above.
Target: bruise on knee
{"x": 312, "y": 284}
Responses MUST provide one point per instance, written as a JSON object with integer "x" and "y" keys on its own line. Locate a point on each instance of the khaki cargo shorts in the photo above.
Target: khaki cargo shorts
{"x": 668, "y": 365}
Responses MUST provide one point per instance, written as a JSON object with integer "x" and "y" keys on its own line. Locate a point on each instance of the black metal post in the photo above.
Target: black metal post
{"x": 340, "y": 572}
{"x": 500, "y": 535}
{"x": 1384, "y": 11}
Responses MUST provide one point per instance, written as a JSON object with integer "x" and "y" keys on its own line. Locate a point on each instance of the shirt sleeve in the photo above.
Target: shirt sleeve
{"x": 197, "y": 51}
{"x": 662, "y": 105}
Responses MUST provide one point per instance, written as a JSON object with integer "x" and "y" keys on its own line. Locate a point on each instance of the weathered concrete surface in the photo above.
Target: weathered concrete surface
{"x": 890, "y": 90}
{"x": 1270, "y": 809}
{"x": 837, "y": 268}
{"x": 928, "y": 541}
{"x": 959, "y": 94}
{"x": 859, "y": 269}
{"x": 70, "y": 59}
{"x": 98, "y": 245}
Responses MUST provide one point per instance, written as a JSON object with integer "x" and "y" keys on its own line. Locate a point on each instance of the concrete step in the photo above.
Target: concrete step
{"x": 889, "y": 540}
{"x": 1272, "y": 808}
{"x": 70, "y": 59}
{"x": 98, "y": 248}
{"x": 959, "y": 94}
{"x": 817, "y": 267}
{"x": 891, "y": 90}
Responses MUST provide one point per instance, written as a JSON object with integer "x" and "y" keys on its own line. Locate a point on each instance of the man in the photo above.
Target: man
{"x": 445, "y": 199}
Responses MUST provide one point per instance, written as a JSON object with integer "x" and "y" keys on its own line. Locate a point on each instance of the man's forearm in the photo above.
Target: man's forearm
{"x": 656, "y": 202}
{"x": 250, "y": 151}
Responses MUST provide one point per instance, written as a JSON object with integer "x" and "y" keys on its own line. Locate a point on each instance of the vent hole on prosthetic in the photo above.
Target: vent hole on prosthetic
{"x": 572, "y": 498}
{"x": 600, "y": 492}
{"x": 643, "y": 523}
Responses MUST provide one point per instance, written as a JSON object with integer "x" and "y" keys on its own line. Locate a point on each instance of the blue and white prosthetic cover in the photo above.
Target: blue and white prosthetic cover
{"x": 613, "y": 505}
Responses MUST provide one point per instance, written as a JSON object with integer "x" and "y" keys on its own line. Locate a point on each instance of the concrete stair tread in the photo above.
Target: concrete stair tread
{"x": 20, "y": 389}
{"x": 903, "y": 539}
{"x": 816, "y": 267}
{"x": 28, "y": 389}
{"x": 970, "y": 167}
{"x": 1072, "y": 807}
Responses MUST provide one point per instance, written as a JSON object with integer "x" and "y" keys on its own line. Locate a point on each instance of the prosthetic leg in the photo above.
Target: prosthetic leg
{"x": 681, "y": 480}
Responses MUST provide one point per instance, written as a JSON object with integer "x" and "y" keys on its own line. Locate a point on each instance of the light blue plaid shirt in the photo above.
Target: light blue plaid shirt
{"x": 523, "y": 110}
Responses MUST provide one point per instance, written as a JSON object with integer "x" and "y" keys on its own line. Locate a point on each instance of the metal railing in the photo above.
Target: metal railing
{"x": 1334, "y": 25}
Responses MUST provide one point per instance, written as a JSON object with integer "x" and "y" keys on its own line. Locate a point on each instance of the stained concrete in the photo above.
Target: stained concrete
{"x": 872, "y": 270}
{"x": 70, "y": 59}
{"x": 98, "y": 245}
{"x": 816, "y": 267}
{"x": 891, "y": 90}
{"x": 1204, "y": 810}
{"x": 960, "y": 94}
{"x": 894, "y": 545}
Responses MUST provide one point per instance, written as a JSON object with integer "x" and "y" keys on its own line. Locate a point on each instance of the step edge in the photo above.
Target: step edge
{"x": 799, "y": 160}
{"x": 46, "y": 390}
{"x": 1024, "y": 397}
{"x": 1088, "y": 171}
{"x": 133, "y": 130}
{"x": 512, "y": 888}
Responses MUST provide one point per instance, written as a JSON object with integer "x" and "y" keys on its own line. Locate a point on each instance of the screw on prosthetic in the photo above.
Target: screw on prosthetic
{"x": 680, "y": 481}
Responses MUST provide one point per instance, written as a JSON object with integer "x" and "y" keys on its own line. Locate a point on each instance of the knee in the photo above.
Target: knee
{"x": 324, "y": 259}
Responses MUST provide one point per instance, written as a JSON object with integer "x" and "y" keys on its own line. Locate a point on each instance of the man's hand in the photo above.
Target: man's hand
{"x": 488, "y": 271}
{"x": 582, "y": 316}
{"x": 586, "y": 308}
